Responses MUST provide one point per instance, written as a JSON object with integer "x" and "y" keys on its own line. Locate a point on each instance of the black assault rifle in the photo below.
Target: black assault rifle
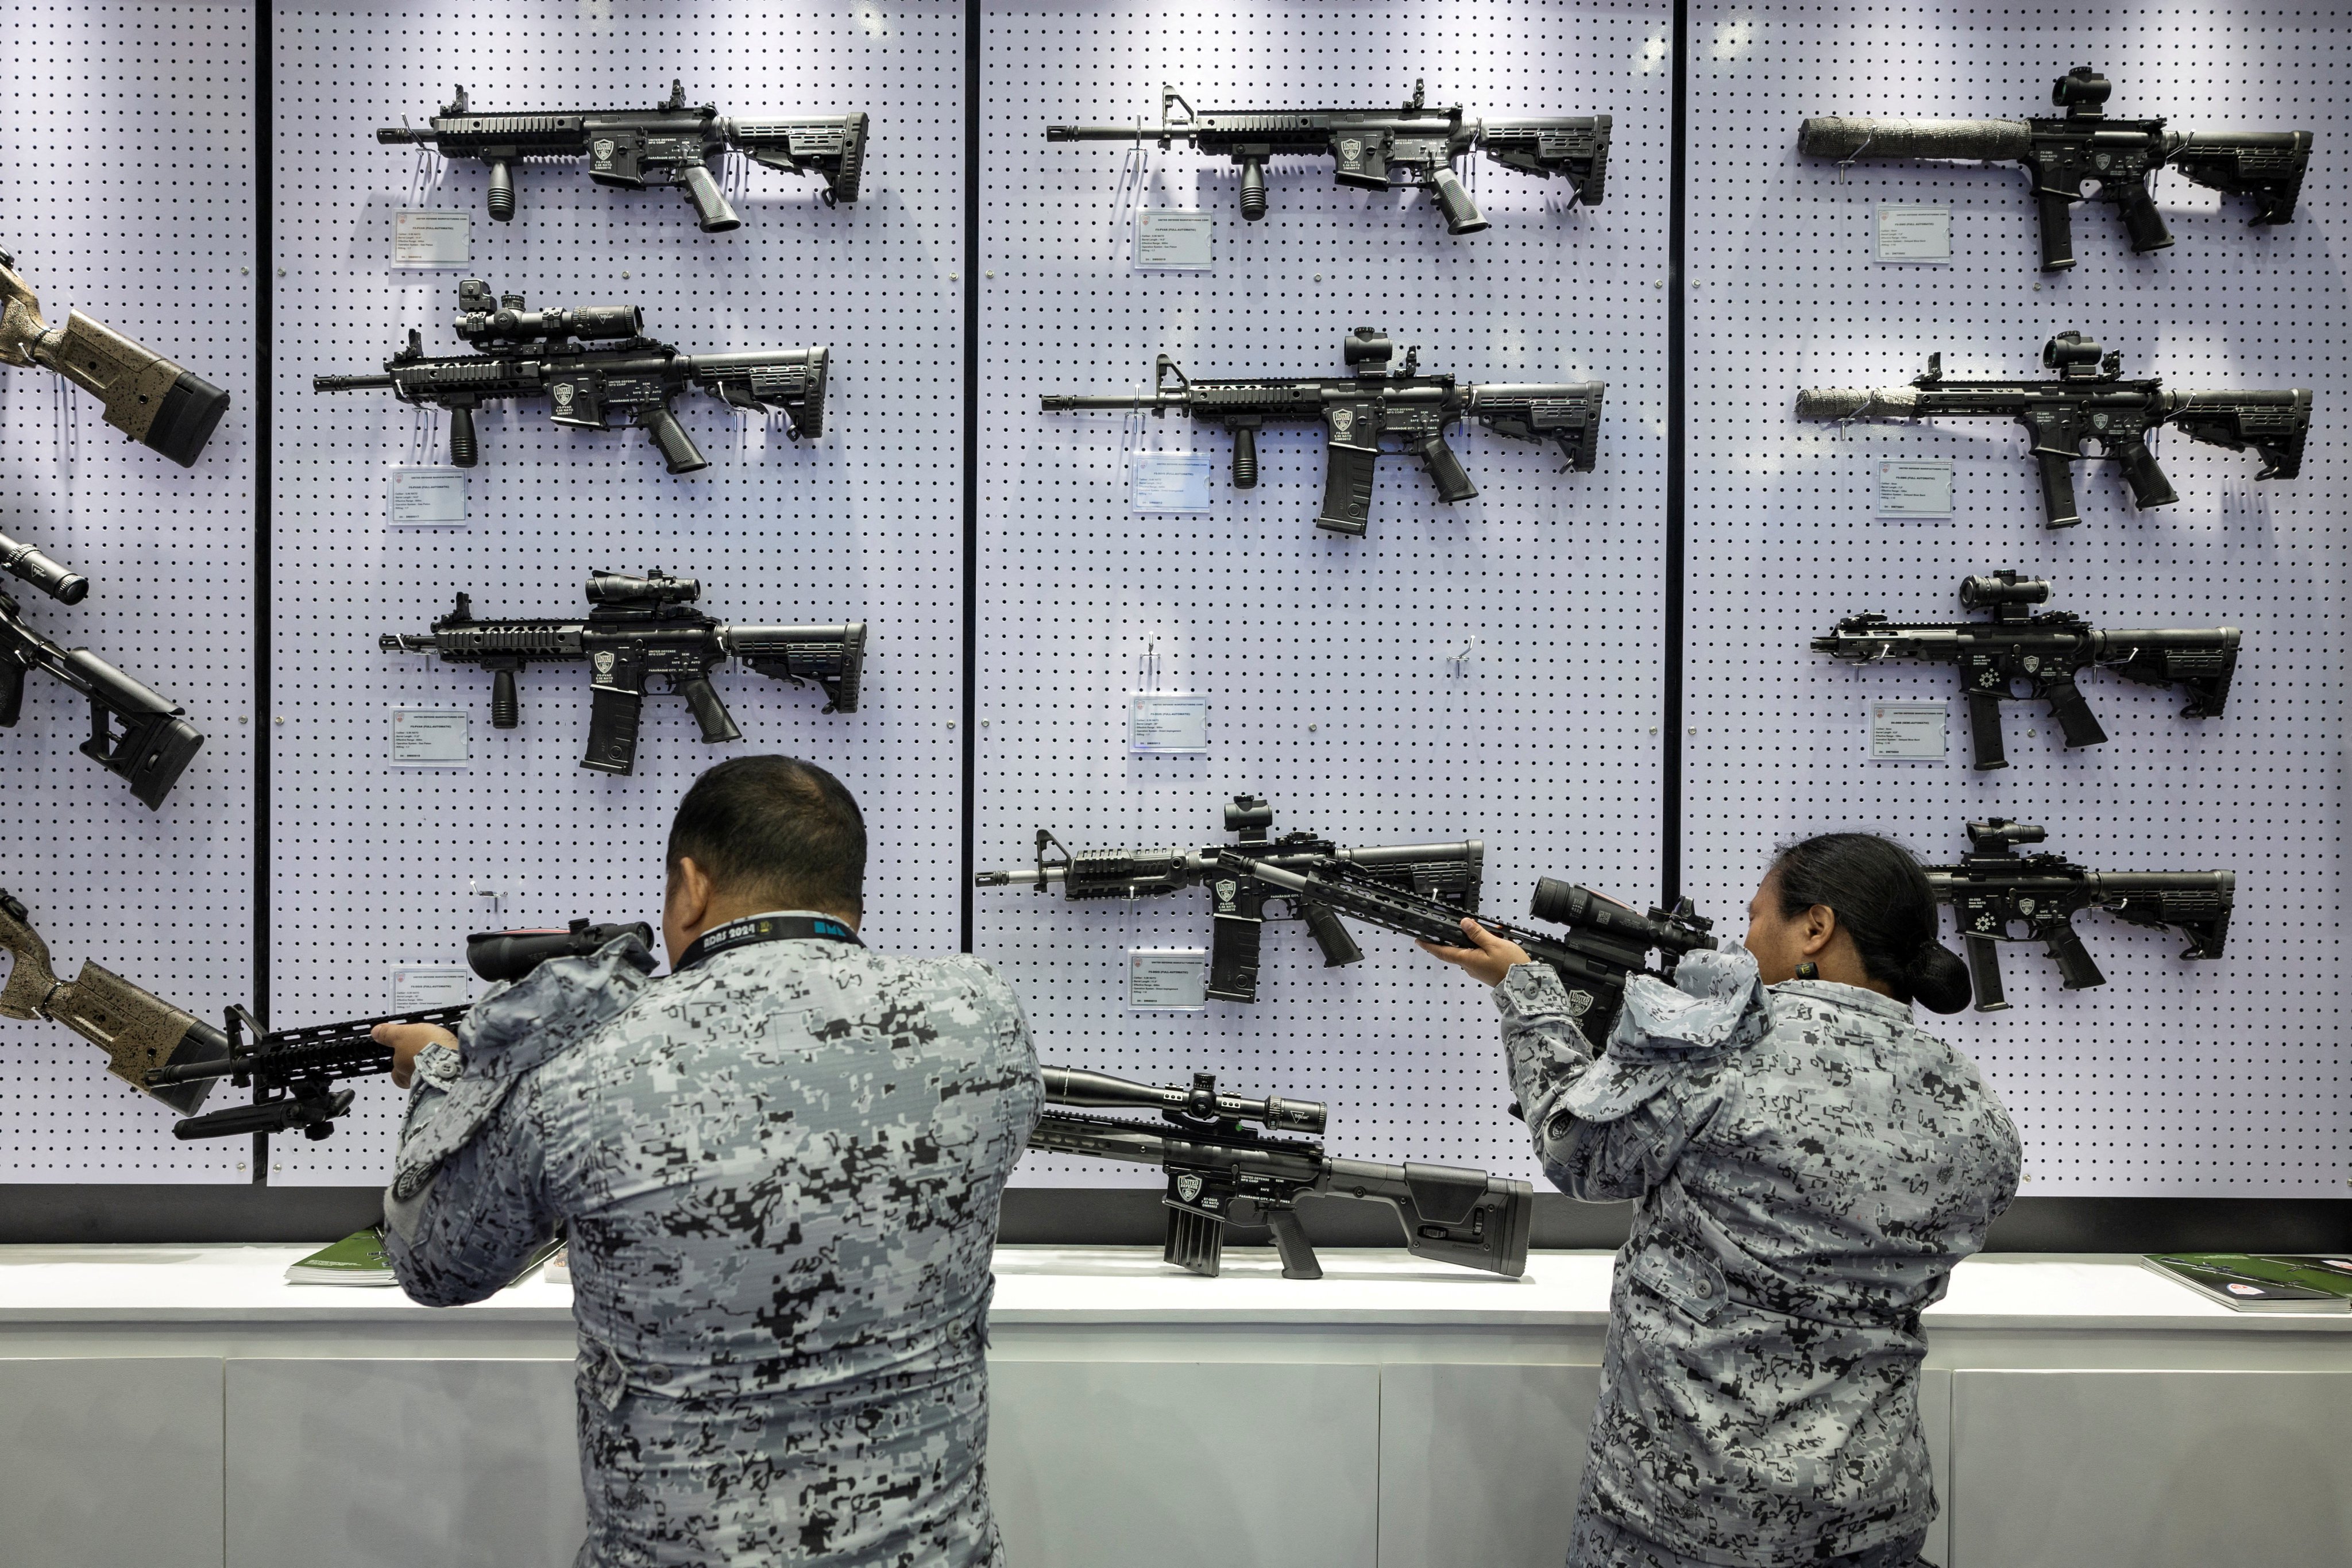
{"x": 2060, "y": 155}
{"x": 2042, "y": 654}
{"x": 2089, "y": 400}
{"x": 1238, "y": 895}
{"x": 630, "y": 149}
{"x": 547, "y": 353}
{"x": 639, "y": 631}
{"x": 1223, "y": 1172}
{"x": 1368, "y": 146}
{"x": 1998, "y": 895}
{"x": 1359, "y": 413}
{"x": 1603, "y": 945}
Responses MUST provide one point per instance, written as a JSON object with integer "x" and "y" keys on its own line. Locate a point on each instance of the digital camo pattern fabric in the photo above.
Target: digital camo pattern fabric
{"x": 779, "y": 1174}
{"x": 1809, "y": 1166}
{"x": 1595, "y": 1543}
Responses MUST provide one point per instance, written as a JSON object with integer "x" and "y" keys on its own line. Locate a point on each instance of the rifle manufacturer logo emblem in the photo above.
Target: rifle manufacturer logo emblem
{"x": 1579, "y": 1003}
{"x": 604, "y": 150}
{"x": 1188, "y": 1188}
{"x": 1342, "y": 421}
{"x": 1227, "y": 890}
{"x": 1351, "y": 151}
{"x": 561, "y": 392}
{"x": 601, "y": 663}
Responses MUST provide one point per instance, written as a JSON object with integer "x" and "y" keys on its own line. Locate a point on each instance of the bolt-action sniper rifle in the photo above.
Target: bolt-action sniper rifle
{"x": 138, "y": 733}
{"x": 1223, "y": 1172}
{"x": 1605, "y": 941}
{"x": 156, "y": 402}
{"x": 1998, "y": 895}
{"x": 549, "y": 353}
{"x": 2042, "y": 655}
{"x": 2061, "y": 153}
{"x": 2089, "y": 400}
{"x": 1367, "y": 147}
{"x": 1359, "y": 413}
{"x": 638, "y": 631}
{"x": 1238, "y": 895}
{"x": 630, "y": 149}
{"x": 170, "y": 1054}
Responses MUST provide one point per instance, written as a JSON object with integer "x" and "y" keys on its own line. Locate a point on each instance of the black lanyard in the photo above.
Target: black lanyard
{"x": 763, "y": 927}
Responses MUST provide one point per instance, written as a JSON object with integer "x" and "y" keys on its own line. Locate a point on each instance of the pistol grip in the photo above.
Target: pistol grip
{"x": 2148, "y": 486}
{"x": 710, "y": 208}
{"x": 2073, "y": 714}
{"x": 716, "y": 723}
{"x": 2076, "y": 971}
{"x": 1462, "y": 214}
{"x": 1330, "y": 934}
{"x": 1453, "y": 481}
{"x": 1290, "y": 1241}
{"x": 2141, "y": 220}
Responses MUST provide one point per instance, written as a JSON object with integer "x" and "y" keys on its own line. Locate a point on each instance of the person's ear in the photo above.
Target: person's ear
{"x": 689, "y": 893}
{"x": 1819, "y": 930}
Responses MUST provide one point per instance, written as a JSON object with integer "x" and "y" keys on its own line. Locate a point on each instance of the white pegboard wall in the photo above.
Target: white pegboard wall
{"x": 127, "y": 192}
{"x": 2220, "y": 1078}
{"x": 376, "y": 865}
{"x": 1325, "y": 659}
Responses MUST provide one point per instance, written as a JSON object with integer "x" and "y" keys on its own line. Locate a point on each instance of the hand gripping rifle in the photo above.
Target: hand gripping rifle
{"x": 2042, "y": 655}
{"x": 138, "y": 733}
{"x": 637, "y": 631}
{"x": 294, "y": 1071}
{"x": 1223, "y": 1172}
{"x": 549, "y": 353}
{"x": 1238, "y": 895}
{"x": 1605, "y": 941}
{"x": 631, "y": 149}
{"x": 1359, "y": 413}
{"x": 2089, "y": 400}
{"x": 169, "y": 1054}
{"x": 1367, "y": 147}
{"x": 154, "y": 402}
{"x": 2061, "y": 152}
{"x": 1998, "y": 895}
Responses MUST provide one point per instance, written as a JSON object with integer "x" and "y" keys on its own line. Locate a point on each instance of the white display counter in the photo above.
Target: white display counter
{"x": 170, "y": 1406}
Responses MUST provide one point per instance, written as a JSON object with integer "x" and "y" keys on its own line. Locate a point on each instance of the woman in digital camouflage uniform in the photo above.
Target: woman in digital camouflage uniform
{"x": 1809, "y": 1166}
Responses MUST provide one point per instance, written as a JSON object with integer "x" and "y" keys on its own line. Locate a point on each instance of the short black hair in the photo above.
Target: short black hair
{"x": 1882, "y": 900}
{"x": 777, "y": 830}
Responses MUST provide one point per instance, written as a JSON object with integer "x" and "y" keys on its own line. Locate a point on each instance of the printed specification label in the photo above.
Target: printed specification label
{"x": 417, "y": 986}
{"x": 1168, "y": 979}
{"x": 424, "y": 237}
{"x": 427, "y": 498}
{"x": 1167, "y": 240}
{"x": 1907, "y": 232}
{"x": 1915, "y": 488}
{"x": 1170, "y": 481}
{"x": 1167, "y": 725}
{"x": 1911, "y": 732}
{"x": 432, "y": 738}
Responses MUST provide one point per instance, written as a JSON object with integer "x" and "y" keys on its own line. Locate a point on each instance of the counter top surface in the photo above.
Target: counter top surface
{"x": 1037, "y": 1284}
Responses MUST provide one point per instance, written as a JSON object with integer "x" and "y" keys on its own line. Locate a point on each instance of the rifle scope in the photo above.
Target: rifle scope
{"x": 2072, "y": 354}
{"x": 28, "y": 564}
{"x": 2003, "y": 588}
{"x": 1368, "y": 346}
{"x": 512, "y": 954}
{"x": 1582, "y": 908}
{"x": 2081, "y": 92}
{"x": 2001, "y": 834}
{"x": 1096, "y": 1090}
{"x": 509, "y": 324}
{"x": 620, "y": 588}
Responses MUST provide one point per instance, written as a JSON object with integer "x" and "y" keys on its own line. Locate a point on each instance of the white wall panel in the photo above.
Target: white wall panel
{"x": 375, "y": 864}
{"x": 126, "y": 191}
{"x": 2211, "y": 1078}
{"x": 1324, "y": 659}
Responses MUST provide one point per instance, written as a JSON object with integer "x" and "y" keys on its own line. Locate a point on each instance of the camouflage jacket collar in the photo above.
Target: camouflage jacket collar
{"x": 1854, "y": 998}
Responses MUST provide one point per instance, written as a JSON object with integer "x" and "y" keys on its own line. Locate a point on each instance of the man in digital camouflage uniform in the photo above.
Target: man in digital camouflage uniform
{"x": 778, "y": 1169}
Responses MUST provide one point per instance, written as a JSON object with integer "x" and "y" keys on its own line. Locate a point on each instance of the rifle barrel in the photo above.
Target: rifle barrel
{"x": 1135, "y": 132}
{"x": 348, "y": 383}
{"x": 1059, "y": 402}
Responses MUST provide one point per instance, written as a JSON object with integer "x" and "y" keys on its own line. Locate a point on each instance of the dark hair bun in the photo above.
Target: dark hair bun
{"x": 1937, "y": 979}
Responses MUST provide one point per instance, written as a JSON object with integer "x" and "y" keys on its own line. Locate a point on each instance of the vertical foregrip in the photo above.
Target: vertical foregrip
{"x": 2057, "y": 229}
{"x": 465, "y": 446}
{"x": 506, "y": 702}
{"x": 1245, "y": 456}
{"x": 1984, "y": 732}
{"x": 1253, "y": 189}
{"x": 1984, "y": 974}
{"x": 502, "y": 191}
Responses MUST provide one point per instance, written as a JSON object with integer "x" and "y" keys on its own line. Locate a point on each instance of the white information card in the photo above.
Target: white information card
{"x": 432, "y": 738}
{"x": 427, "y": 236}
{"x": 1907, "y": 232}
{"x": 1170, "y": 481}
{"x": 417, "y": 986}
{"x": 1166, "y": 724}
{"x": 427, "y": 498}
{"x": 1913, "y": 487}
{"x": 1170, "y": 240}
{"x": 1909, "y": 732}
{"x": 1168, "y": 979}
